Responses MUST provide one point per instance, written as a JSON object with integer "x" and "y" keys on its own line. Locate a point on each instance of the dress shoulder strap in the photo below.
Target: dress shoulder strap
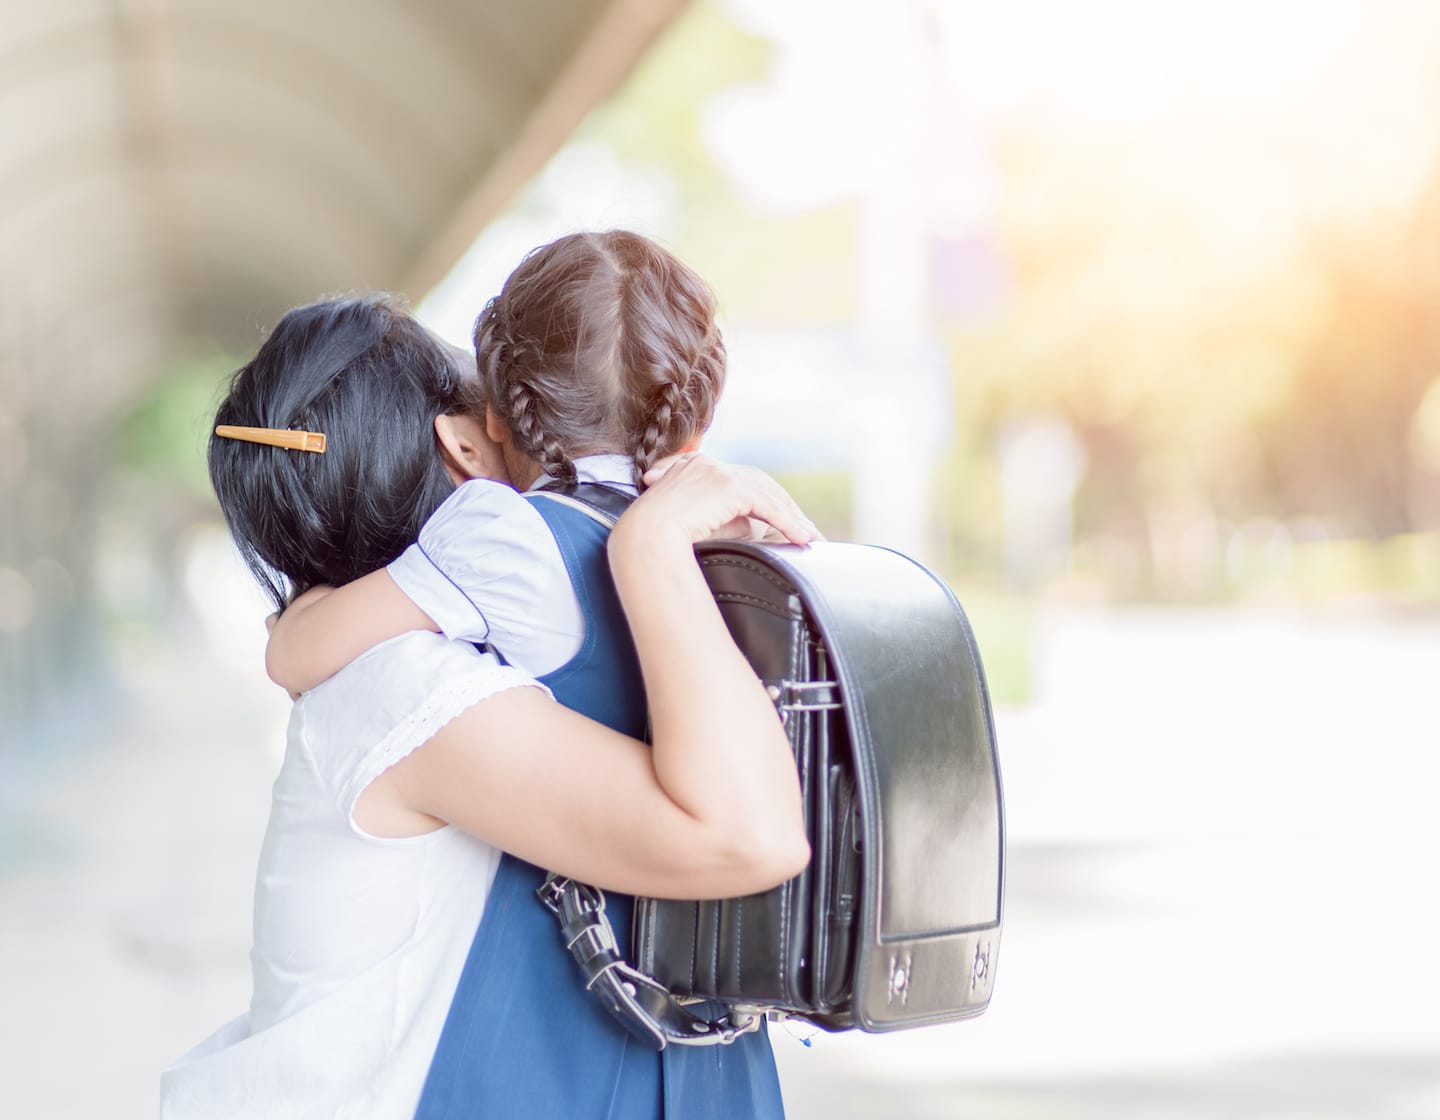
{"x": 602, "y": 503}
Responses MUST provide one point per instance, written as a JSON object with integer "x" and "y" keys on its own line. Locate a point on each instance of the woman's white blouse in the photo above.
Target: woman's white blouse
{"x": 359, "y": 941}
{"x": 487, "y": 569}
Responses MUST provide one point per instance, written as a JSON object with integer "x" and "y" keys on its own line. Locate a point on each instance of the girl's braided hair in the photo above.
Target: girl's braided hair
{"x": 600, "y": 342}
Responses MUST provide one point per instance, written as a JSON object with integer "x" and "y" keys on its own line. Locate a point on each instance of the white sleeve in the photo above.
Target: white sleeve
{"x": 487, "y": 569}
{"x": 391, "y": 700}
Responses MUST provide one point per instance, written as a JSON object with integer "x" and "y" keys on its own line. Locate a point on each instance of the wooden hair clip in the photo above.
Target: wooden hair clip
{"x": 275, "y": 437}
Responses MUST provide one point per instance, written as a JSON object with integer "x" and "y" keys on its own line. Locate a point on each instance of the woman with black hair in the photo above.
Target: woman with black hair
{"x": 410, "y": 771}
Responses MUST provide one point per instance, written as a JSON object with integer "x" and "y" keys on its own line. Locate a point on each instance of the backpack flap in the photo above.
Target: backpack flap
{"x": 927, "y": 781}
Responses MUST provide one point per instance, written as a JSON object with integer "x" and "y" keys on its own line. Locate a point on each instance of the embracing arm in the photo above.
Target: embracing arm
{"x": 713, "y": 810}
{"x": 325, "y": 629}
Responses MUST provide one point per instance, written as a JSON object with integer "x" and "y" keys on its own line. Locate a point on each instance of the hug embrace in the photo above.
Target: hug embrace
{"x": 491, "y": 681}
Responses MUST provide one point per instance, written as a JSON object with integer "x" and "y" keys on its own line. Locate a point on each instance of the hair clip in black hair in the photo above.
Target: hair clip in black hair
{"x": 275, "y": 437}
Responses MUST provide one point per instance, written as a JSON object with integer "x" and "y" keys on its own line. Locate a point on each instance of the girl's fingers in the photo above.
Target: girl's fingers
{"x": 713, "y": 499}
{"x": 661, "y": 467}
{"x": 736, "y": 529}
{"x": 794, "y": 527}
{"x": 771, "y": 504}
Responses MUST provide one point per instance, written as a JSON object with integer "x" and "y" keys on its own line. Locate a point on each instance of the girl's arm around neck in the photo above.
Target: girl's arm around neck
{"x": 315, "y": 637}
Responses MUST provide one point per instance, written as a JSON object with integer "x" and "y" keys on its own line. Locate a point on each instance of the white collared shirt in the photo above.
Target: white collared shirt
{"x": 487, "y": 569}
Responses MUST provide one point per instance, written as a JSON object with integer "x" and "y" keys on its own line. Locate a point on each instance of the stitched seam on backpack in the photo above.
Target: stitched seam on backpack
{"x": 750, "y": 566}
{"x": 739, "y": 920}
{"x": 715, "y": 973}
{"x": 645, "y": 921}
{"x": 694, "y": 941}
{"x": 766, "y": 605}
{"x": 797, "y": 672}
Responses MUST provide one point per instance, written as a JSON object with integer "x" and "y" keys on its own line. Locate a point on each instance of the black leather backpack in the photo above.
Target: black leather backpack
{"x": 896, "y": 922}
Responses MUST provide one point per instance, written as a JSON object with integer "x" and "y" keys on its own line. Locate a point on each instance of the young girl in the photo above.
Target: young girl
{"x": 407, "y": 774}
{"x": 600, "y": 356}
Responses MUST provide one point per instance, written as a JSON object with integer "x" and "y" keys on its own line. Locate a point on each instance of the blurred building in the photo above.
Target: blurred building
{"x": 174, "y": 173}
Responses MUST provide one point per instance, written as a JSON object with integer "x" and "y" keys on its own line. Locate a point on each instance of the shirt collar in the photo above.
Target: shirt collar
{"x": 611, "y": 470}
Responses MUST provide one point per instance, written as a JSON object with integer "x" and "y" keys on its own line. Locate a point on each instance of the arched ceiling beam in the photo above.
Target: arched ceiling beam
{"x": 363, "y": 102}
{"x": 299, "y": 201}
{"x": 391, "y": 198}
{"x": 619, "y": 36}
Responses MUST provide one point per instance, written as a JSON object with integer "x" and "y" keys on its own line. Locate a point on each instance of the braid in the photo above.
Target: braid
{"x": 656, "y": 439}
{"x": 490, "y": 341}
{"x": 687, "y": 359}
{"x": 507, "y": 366}
{"x": 523, "y": 404}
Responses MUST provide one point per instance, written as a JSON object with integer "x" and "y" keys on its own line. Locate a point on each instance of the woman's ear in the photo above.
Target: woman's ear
{"x": 467, "y": 449}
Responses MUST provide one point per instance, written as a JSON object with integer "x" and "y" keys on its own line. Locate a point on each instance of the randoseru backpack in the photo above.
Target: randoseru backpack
{"x": 896, "y": 922}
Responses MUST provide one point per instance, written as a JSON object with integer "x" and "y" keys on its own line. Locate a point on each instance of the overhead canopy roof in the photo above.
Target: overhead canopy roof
{"x": 173, "y": 168}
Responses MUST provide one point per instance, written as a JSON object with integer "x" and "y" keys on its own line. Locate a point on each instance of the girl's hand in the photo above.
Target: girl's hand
{"x": 697, "y": 498}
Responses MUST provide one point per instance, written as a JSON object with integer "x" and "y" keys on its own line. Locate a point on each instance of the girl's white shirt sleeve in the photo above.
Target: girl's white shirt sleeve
{"x": 487, "y": 569}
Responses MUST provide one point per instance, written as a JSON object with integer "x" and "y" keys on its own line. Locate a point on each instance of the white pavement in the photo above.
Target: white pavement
{"x": 1221, "y": 897}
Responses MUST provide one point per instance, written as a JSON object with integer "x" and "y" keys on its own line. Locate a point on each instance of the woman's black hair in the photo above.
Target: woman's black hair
{"x": 364, "y": 372}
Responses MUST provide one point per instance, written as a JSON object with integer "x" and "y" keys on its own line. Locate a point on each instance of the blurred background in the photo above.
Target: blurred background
{"x": 1122, "y": 315}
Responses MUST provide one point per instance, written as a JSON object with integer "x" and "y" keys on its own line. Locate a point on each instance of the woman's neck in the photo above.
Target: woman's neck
{"x": 522, "y": 469}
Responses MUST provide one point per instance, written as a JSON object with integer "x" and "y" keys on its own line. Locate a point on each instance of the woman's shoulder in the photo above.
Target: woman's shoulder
{"x": 397, "y": 694}
{"x": 400, "y": 667}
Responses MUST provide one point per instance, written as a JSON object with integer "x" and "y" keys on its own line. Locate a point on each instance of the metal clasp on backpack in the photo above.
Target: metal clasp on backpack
{"x": 804, "y": 696}
{"x": 551, "y": 891}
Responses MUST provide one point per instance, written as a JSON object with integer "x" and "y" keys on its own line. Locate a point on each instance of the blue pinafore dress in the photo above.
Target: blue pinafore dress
{"x": 523, "y": 1037}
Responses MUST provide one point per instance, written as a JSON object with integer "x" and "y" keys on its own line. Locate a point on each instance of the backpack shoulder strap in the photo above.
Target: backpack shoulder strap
{"x": 603, "y": 503}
